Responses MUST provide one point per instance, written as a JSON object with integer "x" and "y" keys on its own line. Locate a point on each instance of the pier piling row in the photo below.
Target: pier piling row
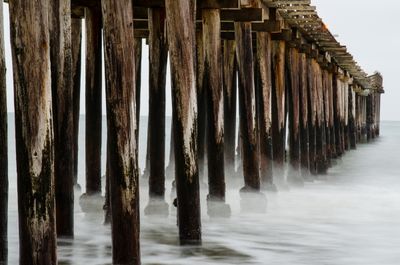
{"x": 303, "y": 102}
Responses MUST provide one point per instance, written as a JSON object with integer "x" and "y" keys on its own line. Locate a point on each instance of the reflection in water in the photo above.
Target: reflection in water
{"x": 349, "y": 217}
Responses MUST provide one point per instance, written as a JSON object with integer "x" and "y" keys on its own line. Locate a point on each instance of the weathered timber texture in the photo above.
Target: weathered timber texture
{"x": 62, "y": 92}
{"x": 158, "y": 52}
{"x": 29, "y": 23}
{"x": 247, "y": 106}
{"x": 336, "y": 114}
{"x": 122, "y": 126}
{"x": 312, "y": 115}
{"x": 76, "y": 43}
{"x": 93, "y": 100}
{"x": 181, "y": 39}
{"x": 3, "y": 150}
{"x": 352, "y": 118}
{"x": 213, "y": 83}
{"x": 293, "y": 107}
{"x": 326, "y": 110}
{"x": 264, "y": 49}
{"x": 278, "y": 107}
{"x": 230, "y": 99}
{"x": 321, "y": 163}
{"x": 138, "y": 75}
{"x": 201, "y": 105}
{"x": 304, "y": 121}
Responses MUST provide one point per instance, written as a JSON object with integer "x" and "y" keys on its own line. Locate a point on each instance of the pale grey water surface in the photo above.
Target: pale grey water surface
{"x": 351, "y": 216}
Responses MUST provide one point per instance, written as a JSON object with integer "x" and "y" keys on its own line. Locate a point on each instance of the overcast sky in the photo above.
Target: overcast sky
{"x": 368, "y": 29}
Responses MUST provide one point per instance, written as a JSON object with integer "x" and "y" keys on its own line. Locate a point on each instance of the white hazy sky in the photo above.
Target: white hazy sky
{"x": 368, "y": 29}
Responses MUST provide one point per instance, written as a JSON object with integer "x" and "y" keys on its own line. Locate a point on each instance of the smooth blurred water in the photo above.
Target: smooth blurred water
{"x": 351, "y": 216}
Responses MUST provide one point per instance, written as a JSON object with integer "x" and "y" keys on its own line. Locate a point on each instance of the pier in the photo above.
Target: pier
{"x": 303, "y": 102}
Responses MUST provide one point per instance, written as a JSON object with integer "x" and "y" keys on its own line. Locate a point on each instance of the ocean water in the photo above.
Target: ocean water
{"x": 350, "y": 216}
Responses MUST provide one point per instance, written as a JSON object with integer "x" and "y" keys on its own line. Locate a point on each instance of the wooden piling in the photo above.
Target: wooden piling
{"x": 76, "y": 44}
{"x": 264, "y": 49}
{"x": 93, "y": 100}
{"x": 304, "y": 121}
{"x": 293, "y": 107}
{"x": 181, "y": 39}
{"x": 230, "y": 98}
{"x": 3, "y": 150}
{"x": 29, "y": 24}
{"x": 62, "y": 91}
{"x": 352, "y": 118}
{"x": 158, "y": 54}
{"x": 122, "y": 126}
{"x": 278, "y": 108}
{"x": 213, "y": 84}
{"x": 326, "y": 106}
{"x": 201, "y": 105}
{"x": 312, "y": 115}
{"x": 247, "y": 114}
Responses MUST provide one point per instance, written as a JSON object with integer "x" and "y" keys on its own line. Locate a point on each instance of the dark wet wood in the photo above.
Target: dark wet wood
{"x": 3, "y": 150}
{"x": 336, "y": 115}
{"x": 30, "y": 43}
{"x": 321, "y": 161}
{"x": 181, "y": 39}
{"x": 312, "y": 115}
{"x": 293, "y": 107}
{"x": 230, "y": 98}
{"x": 264, "y": 49}
{"x": 247, "y": 111}
{"x": 278, "y": 105}
{"x": 352, "y": 119}
{"x": 62, "y": 92}
{"x": 93, "y": 100}
{"x": 158, "y": 53}
{"x": 122, "y": 126}
{"x": 213, "y": 84}
{"x": 201, "y": 105}
{"x": 76, "y": 42}
{"x": 304, "y": 121}
{"x": 326, "y": 105}
{"x": 138, "y": 75}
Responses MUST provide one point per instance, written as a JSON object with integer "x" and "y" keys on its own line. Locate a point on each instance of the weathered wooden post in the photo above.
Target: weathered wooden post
{"x": 62, "y": 92}
{"x": 336, "y": 112}
{"x": 213, "y": 84}
{"x": 3, "y": 149}
{"x": 293, "y": 107}
{"x": 158, "y": 54}
{"x": 181, "y": 39}
{"x": 331, "y": 122}
{"x": 326, "y": 110}
{"x": 312, "y": 114}
{"x": 321, "y": 163}
{"x": 138, "y": 75}
{"x": 93, "y": 100}
{"x": 29, "y": 26}
{"x": 76, "y": 43}
{"x": 230, "y": 98}
{"x": 201, "y": 105}
{"x": 352, "y": 118}
{"x": 264, "y": 49}
{"x": 304, "y": 121}
{"x": 278, "y": 110}
{"x": 122, "y": 126}
{"x": 252, "y": 198}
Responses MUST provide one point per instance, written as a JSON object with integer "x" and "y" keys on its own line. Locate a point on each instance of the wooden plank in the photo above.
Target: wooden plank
{"x": 122, "y": 126}
{"x": 30, "y": 40}
{"x": 242, "y": 15}
{"x": 181, "y": 39}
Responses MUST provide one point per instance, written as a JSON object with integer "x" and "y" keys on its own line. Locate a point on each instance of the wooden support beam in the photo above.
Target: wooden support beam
{"x": 263, "y": 93}
{"x": 230, "y": 98}
{"x": 93, "y": 101}
{"x": 312, "y": 114}
{"x": 76, "y": 45}
{"x": 181, "y": 39}
{"x": 158, "y": 54}
{"x": 242, "y": 15}
{"x": 213, "y": 86}
{"x": 278, "y": 108}
{"x": 3, "y": 150}
{"x": 352, "y": 118}
{"x": 122, "y": 126}
{"x": 62, "y": 93}
{"x": 293, "y": 108}
{"x": 244, "y": 53}
{"x": 30, "y": 44}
